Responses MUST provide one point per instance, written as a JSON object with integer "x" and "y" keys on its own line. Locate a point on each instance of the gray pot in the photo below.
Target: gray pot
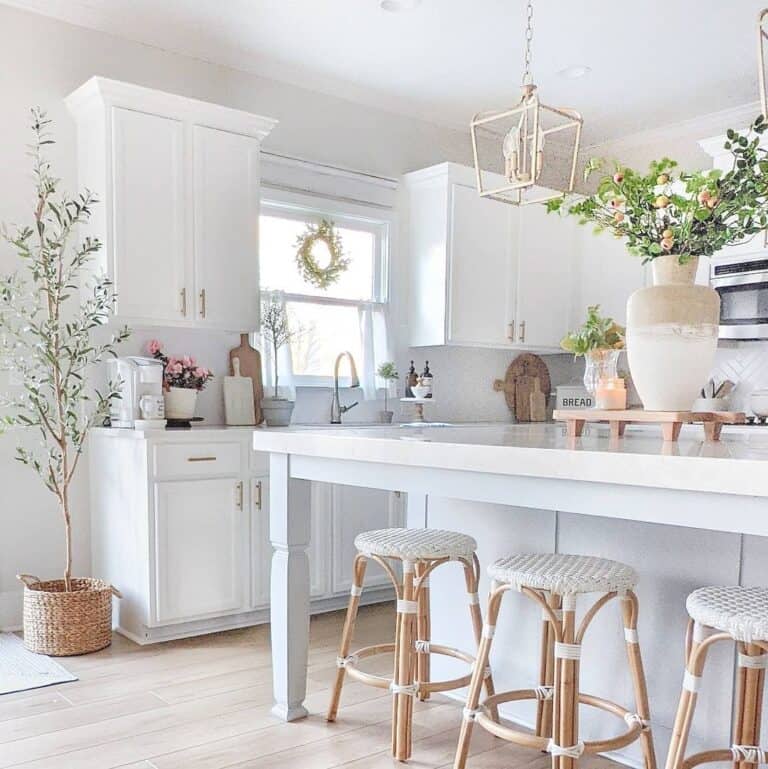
{"x": 385, "y": 417}
{"x": 277, "y": 411}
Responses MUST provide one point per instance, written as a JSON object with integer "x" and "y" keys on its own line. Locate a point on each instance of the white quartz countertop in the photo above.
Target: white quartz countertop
{"x": 737, "y": 464}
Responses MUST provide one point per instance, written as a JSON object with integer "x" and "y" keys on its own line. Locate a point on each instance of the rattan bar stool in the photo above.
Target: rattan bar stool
{"x": 737, "y": 614}
{"x": 419, "y": 551}
{"x": 553, "y": 582}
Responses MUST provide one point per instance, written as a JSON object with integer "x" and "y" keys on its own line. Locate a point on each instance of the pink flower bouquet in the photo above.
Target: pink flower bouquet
{"x": 179, "y": 372}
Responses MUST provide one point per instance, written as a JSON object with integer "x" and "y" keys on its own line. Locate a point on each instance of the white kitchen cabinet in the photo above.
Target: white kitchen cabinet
{"x": 151, "y": 261}
{"x": 180, "y": 525}
{"x": 201, "y": 540}
{"x": 178, "y": 181}
{"x": 483, "y": 273}
{"x": 547, "y": 248}
{"x": 261, "y": 550}
{"x": 226, "y": 193}
{"x": 354, "y": 510}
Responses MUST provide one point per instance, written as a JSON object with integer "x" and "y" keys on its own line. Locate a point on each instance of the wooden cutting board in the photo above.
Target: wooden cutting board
{"x": 250, "y": 366}
{"x": 518, "y": 384}
{"x": 239, "y": 407}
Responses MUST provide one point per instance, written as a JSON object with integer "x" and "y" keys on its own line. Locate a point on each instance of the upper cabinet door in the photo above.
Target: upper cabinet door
{"x": 149, "y": 250}
{"x": 226, "y": 194}
{"x": 547, "y": 253}
{"x": 481, "y": 269}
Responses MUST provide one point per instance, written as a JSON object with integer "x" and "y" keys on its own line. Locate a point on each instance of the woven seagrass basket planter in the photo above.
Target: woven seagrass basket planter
{"x": 62, "y": 623}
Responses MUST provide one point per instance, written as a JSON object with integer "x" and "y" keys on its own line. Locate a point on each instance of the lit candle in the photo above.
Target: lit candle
{"x": 611, "y": 394}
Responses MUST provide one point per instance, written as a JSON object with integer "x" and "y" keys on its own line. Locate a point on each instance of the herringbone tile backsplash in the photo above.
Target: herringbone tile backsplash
{"x": 746, "y": 364}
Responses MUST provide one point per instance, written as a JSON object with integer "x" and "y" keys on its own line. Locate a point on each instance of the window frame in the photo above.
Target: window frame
{"x": 379, "y": 220}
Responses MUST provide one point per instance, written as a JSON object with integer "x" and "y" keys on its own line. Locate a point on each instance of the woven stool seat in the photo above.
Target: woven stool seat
{"x": 742, "y": 612}
{"x": 563, "y": 574}
{"x": 416, "y": 544}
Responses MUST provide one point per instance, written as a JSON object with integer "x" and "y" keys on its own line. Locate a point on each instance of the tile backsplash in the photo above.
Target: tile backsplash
{"x": 746, "y": 364}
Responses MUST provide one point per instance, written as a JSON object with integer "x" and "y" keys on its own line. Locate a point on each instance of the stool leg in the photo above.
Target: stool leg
{"x": 423, "y": 629}
{"x": 566, "y": 724}
{"x": 680, "y": 731}
{"x": 629, "y": 610}
{"x": 471, "y": 579}
{"x": 751, "y": 682}
{"x": 546, "y": 671}
{"x": 402, "y": 702}
{"x": 346, "y": 634}
{"x": 478, "y": 674}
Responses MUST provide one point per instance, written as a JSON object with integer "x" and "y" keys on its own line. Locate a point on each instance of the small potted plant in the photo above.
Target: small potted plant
{"x": 183, "y": 379}
{"x": 388, "y": 373}
{"x": 51, "y": 336}
{"x": 600, "y": 340}
{"x": 276, "y": 332}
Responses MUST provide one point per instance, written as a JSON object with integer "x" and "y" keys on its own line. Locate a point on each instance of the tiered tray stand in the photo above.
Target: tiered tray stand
{"x": 671, "y": 421}
{"x": 418, "y": 404}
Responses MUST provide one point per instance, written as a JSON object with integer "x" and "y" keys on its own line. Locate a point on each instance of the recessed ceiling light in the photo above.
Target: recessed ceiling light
{"x": 398, "y": 6}
{"x": 575, "y": 72}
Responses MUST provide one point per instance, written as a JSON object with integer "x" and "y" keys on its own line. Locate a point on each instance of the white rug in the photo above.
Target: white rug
{"x": 21, "y": 669}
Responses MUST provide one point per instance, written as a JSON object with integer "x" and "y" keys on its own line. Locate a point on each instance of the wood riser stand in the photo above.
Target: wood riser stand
{"x": 671, "y": 421}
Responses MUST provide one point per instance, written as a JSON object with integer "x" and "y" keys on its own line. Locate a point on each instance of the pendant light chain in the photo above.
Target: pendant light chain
{"x": 527, "y": 76}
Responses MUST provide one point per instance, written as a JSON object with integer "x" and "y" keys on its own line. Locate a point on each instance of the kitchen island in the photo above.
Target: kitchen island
{"x": 684, "y": 514}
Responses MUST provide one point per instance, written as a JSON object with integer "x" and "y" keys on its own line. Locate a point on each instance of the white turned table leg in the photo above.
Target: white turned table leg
{"x": 289, "y": 531}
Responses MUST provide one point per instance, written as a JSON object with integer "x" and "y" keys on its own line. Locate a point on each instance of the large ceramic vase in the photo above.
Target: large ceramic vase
{"x": 671, "y": 336}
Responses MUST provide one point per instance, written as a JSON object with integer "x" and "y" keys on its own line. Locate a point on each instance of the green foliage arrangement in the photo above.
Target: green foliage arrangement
{"x": 597, "y": 333}
{"x": 311, "y": 271}
{"x": 688, "y": 214}
{"x": 49, "y": 329}
{"x": 388, "y": 372}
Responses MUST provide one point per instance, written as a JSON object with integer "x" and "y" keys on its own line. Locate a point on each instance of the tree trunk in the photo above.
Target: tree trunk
{"x": 275, "y": 357}
{"x": 68, "y": 540}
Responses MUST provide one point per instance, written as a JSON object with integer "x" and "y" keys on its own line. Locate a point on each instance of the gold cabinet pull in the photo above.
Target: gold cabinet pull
{"x": 202, "y": 303}
{"x": 257, "y": 500}
{"x": 184, "y": 302}
{"x": 522, "y": 331}
{"x": 239, "y": 502}
{"x": 511, "y": 331}
{"x": 201, "y": 459}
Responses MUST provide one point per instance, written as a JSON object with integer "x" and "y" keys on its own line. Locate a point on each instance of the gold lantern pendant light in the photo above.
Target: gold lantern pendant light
{"x": 509, "y": 144}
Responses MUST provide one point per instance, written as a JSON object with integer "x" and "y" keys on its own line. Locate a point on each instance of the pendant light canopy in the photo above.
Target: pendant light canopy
{"x": 512, "y": 163}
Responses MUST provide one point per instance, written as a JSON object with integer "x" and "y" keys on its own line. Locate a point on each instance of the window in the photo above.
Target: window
{"x": 350, "y": 314}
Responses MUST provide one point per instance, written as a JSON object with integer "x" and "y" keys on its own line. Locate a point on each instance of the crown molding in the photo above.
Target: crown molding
{"x": 697, "y": 128}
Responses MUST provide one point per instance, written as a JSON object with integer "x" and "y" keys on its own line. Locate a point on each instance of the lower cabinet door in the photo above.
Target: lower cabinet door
{"x": 261, "y": 547}
{"x": 354, "y": 510}
{"x": 200, "y": 554}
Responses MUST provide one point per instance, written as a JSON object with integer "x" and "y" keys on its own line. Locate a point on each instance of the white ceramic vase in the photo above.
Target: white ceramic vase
{"x": 277, "y": 411}
{"x": 671, "y": 336}
{"x": 180, "y": 403}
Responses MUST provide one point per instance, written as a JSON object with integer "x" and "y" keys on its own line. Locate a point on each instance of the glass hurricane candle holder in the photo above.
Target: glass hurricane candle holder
{"x": 600, "y": 364}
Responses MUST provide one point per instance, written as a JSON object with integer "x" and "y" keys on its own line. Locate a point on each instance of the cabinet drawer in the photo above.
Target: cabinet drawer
{"x": 197, "y": 459}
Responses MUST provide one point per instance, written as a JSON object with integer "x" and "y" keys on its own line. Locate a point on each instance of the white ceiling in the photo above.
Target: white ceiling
{"x": 653, "y": 62}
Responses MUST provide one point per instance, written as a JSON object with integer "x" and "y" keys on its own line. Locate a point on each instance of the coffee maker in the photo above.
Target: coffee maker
{"x": 136, "y": 377}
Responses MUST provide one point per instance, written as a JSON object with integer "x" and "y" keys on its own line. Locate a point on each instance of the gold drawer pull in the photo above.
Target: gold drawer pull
{"x": 257, "y": 501}
{"x": 201, "y": 459}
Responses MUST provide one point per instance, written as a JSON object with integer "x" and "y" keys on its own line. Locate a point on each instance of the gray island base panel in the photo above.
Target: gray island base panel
{"x": 684, "y": 515}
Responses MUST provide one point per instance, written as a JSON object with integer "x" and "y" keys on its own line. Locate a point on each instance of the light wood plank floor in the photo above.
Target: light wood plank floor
{"x": 203, "y": 703}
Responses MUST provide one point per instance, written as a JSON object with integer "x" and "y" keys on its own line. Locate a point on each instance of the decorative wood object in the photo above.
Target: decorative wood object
{"x": 518, "y": 384}
{"x": 671, "y": 421}
{"x": 538, "y": 402}
{"x": 250, "y": 366}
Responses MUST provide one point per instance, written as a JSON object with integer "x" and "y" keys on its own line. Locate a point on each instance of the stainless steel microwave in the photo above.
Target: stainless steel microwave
{"x": 742, "y": 283}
